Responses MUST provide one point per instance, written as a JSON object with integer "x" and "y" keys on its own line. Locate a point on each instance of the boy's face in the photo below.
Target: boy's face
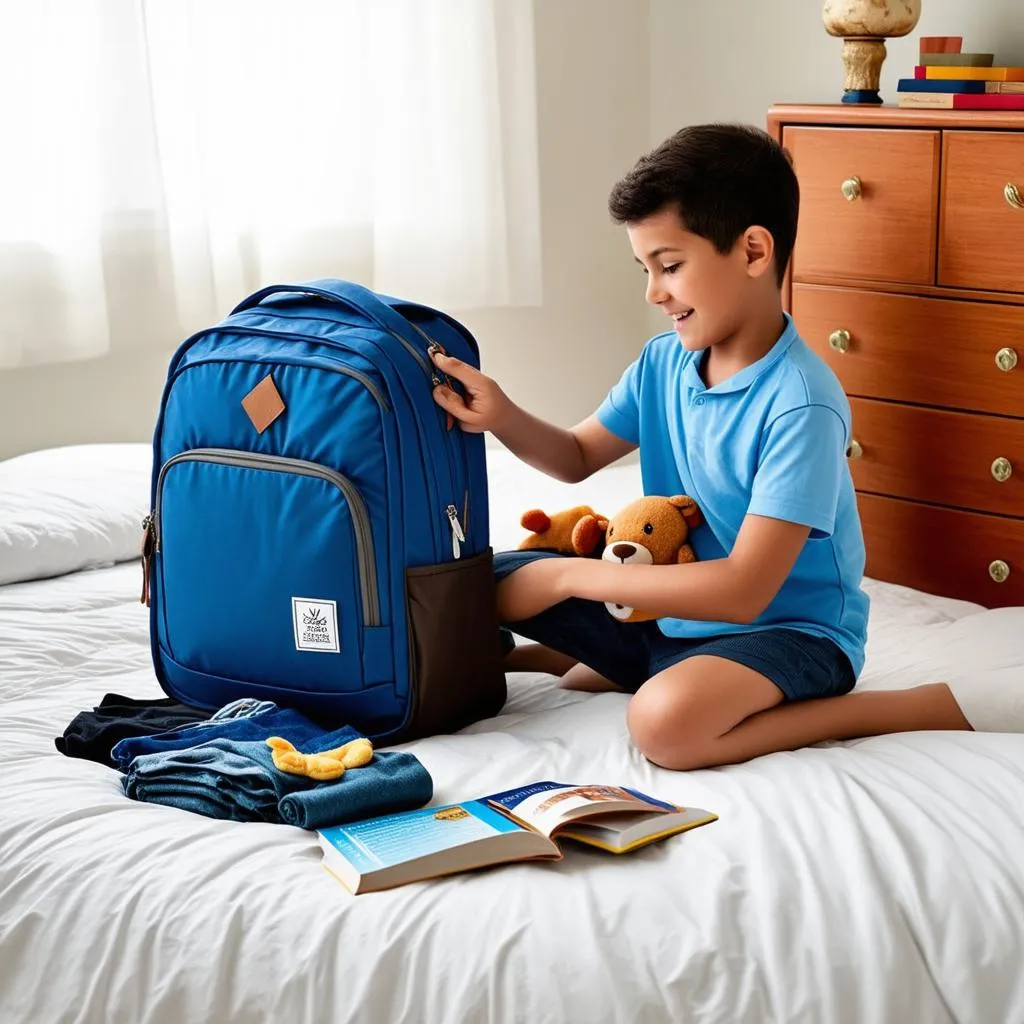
{"x": 702, "y": 290}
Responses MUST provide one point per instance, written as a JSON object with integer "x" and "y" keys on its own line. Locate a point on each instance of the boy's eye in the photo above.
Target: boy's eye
{"x": 671, "y": 268}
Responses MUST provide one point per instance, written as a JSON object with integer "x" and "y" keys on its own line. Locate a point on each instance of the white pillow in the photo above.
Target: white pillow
{"x": 72, "y": 508}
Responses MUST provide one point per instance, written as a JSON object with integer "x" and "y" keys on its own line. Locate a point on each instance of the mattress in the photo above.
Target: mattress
{"x": 873, "y": 880}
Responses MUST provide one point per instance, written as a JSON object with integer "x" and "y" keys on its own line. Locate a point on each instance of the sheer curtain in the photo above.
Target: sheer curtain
{"x": 162, "y": 158}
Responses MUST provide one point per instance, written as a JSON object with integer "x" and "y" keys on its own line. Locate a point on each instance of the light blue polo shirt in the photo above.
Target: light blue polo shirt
{"x": 770, "y": 441}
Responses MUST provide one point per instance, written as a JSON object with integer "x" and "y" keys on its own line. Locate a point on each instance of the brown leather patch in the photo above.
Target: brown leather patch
{"x": 263, "y": 404}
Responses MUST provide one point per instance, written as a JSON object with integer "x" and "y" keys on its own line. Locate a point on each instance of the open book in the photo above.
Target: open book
{"x": 519, "y": 824}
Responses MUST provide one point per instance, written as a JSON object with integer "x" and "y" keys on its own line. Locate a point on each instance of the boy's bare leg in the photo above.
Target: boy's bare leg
{"x": 538, "y": 658}
{"x": 521, "y": 596}
{"x": 709, "y": 711}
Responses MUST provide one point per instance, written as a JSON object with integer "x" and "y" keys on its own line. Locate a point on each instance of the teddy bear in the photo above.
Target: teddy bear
{"x": 654, "y": 530}
{"x": 573, "y": 531}
{"x": 650, "y": 531}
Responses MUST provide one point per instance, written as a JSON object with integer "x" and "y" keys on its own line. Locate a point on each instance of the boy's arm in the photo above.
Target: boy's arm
{"x": 737, "y": 588}
{"x": 801, "y": 470}
{"x": 570, "y": 455}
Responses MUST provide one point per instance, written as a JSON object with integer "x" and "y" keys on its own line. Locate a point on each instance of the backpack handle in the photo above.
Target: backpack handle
{"x": 347, "y": 293}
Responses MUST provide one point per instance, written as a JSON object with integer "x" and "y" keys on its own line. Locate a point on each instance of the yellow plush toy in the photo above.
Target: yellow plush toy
{"x": 329, "y": 764}
{"x": 650, "y": 531}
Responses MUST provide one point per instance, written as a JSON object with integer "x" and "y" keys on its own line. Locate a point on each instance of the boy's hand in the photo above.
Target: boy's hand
{"x": 484, "y": 403}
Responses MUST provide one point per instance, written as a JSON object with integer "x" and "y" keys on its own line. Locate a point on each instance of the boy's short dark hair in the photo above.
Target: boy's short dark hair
{"x": 722, "y": 179}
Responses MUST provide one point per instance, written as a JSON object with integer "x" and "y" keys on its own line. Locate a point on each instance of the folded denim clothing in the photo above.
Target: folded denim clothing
{"x": 257, "y": 721}
{"x": 92, "y": 734}
{"x": 236, "y": 779}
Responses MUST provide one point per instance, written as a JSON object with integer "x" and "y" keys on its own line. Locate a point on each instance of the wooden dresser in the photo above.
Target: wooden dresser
{"x": 908, "y": 278}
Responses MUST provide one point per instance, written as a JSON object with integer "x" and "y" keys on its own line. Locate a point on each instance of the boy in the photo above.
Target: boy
{"x": 731, "y": 408}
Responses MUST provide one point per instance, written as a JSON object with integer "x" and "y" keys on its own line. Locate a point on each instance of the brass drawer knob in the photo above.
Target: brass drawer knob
{"x": 999, "y": 571}
{"x": 852, "y": 189}
{"x": 1013, "y": 196}
{"x": 856, "y": 449}
{"x": 1006, "y": 359}
{"x": 839, "y": 341}
{"x": 1002, "y": 469}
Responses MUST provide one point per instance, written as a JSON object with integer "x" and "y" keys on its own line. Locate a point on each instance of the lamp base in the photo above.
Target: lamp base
{"x": 863, "y": 57}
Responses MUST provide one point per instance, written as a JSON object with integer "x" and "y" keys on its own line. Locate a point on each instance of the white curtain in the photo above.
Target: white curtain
{"x": 163, "y": 158}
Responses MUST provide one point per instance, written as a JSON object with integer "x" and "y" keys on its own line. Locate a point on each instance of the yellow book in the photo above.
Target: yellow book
{"x": 1005, "y": 74}
{"x": 517, "y": 825}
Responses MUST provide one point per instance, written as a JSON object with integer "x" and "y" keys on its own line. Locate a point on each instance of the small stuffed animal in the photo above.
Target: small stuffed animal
{"x": 330, "y": 764}
{"x": 575, "y": 531}
{"x": 650, "y": 531}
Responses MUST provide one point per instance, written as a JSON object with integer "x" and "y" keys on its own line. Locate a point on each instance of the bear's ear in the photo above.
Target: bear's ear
{"x": 535, "y": 520}
{"x": 588, "y": 534}
{"x": 687, "y": 509}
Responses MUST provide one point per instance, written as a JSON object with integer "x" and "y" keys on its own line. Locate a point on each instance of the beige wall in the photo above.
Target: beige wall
{"x": 731, "y": 59}
{"x": 614, "y": 77}
{"x": 558, "y": 359}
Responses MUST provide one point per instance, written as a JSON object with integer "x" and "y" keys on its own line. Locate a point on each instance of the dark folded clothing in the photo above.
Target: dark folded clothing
{"x": 234, "y": 777}
{"x": 93, "y": 734}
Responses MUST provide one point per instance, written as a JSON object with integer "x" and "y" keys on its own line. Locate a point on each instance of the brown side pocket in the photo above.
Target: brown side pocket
{"x": 455, "y": 649}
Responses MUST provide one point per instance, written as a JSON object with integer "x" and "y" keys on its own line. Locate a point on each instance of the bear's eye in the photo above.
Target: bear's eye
{"x": 611, "y": 530}
{"x": 648, "y": 529}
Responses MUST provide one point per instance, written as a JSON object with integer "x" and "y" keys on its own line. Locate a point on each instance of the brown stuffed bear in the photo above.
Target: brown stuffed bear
{"x": 650, "y": 531}
{"x": 573, "y": 531}
{"x": 653, "y": 530}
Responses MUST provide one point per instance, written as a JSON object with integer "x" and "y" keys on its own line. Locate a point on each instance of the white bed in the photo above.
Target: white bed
{"x": 870, "y": 881}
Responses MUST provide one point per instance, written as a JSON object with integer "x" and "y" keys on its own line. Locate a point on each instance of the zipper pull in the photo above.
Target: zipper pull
{"x": 148, "y": 544}
{"x": 458, "y": 537}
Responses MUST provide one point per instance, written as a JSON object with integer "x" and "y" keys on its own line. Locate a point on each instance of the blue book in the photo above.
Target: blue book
{"x": 939, "y": 85}
{"x": 515, "y": 825}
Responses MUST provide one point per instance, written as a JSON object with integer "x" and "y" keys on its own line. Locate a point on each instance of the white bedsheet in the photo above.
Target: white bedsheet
{"x": 871, "y": 881}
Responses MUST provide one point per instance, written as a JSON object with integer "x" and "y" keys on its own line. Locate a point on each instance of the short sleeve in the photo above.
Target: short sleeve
{"x": 801, "y": 467}
{"x": 620, "y": 411}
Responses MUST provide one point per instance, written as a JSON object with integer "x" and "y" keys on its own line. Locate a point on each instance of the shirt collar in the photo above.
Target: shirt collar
{"x": 746, "y": 376}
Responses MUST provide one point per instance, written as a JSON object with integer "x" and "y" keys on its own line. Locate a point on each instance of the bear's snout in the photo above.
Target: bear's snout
{"x": 623, "y": 551}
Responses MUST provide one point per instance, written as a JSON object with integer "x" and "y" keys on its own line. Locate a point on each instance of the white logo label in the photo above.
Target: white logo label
{"x": 316, "y": 624}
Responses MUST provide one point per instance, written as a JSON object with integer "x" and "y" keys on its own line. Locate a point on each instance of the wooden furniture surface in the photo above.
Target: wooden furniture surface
{"x": 908, "y": 279}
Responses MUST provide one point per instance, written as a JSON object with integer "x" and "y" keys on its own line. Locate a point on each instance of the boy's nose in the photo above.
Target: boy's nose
{"x": 656, "y": 295}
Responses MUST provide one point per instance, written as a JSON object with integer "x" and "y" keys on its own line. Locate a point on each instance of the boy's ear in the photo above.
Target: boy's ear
{"x": 759, "y": 248}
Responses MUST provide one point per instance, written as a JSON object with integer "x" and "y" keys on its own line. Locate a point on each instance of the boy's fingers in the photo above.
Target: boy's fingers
{"x": 453, "y": 367}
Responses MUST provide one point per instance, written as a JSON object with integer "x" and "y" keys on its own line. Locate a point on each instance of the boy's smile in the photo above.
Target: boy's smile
{"x": 688, "y": 279}
{"x": 728, "y": 301}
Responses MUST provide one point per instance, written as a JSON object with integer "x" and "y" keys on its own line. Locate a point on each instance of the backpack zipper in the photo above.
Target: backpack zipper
{"x": 300, "y": 467}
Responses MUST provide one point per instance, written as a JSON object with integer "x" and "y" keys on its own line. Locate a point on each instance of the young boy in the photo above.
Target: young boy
{"x": 730, "y": 407}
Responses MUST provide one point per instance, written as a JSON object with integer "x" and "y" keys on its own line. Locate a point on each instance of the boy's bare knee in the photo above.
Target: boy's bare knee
{"x": 669, "y": 729}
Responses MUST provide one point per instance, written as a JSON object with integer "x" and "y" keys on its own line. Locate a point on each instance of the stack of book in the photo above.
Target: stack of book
{"x": 945, "y": 77}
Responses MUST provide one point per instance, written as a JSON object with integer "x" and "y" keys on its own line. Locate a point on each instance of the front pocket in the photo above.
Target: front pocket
{"x": 266, "y": 568}
{"x": 456, "y": 658}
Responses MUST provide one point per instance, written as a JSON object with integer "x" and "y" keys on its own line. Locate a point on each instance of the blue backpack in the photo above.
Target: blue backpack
{"x": 318, "y": 534}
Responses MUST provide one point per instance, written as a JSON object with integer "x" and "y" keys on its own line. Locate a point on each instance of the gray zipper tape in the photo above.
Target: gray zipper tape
{"x": 280, "y": 464}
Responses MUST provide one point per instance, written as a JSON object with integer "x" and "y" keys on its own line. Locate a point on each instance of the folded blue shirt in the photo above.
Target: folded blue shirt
{"x": 232, "y": 774}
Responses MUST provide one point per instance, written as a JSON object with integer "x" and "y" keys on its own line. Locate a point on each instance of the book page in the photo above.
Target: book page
{"x": 546, "y": 805}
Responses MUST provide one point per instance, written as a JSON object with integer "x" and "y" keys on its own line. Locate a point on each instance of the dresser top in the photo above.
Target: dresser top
{"x": 891, "y": 116}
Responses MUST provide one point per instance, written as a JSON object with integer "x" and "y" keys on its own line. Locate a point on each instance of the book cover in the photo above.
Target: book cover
{"x": 974, "y": 60}
{"x": 993, "y": 74}
{"x": 940, "y": 85}
{"x": 514, "y": 825}
{"x": 962, "y": 101}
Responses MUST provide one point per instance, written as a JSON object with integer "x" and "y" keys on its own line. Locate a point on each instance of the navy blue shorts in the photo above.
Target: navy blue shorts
{"x": 800, "y": 664}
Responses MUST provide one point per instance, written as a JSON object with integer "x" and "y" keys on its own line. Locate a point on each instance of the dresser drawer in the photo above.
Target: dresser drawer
{"x": 950, "y": 458}
{"x": 888, "y": 230}
{"x": 943, "y": 551}
{"x": 982, "y": 228}
{"x": 928, "y": 351}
